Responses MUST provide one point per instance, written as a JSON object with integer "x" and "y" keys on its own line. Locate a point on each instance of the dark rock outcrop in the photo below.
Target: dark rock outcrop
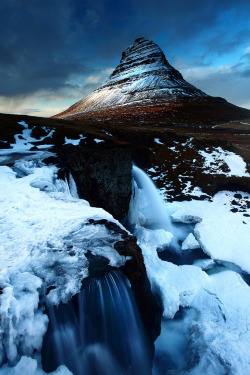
{"x": 102, "y": 175}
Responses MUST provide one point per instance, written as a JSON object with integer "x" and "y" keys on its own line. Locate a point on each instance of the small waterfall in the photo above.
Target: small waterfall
{"x": 99, "y": 332}
{"x": 73, "y": 187}
{"x": 149, "y": 219}
{"x": 149, "y": 208}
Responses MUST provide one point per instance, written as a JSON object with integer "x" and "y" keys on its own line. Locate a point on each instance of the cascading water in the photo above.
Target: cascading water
{"x": 150, "y": 221}
{"x": 99, "y": 333}
{"x": 149, "y": 208}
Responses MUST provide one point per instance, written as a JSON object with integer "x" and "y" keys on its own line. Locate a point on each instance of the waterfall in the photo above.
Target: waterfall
{"x": 148, "y": 216}
{"x": 147, "y": 207}
{"x": 99, "y": 332}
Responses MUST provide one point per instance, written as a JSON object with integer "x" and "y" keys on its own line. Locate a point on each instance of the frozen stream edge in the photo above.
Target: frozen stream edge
{"x": 218, "y": 328}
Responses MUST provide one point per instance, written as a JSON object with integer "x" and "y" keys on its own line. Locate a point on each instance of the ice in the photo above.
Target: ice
{"x": 190, "y": 243}
{"x": 220, "y": 338}
{"x": 98, "y": 140}
{"x": 172, "y": 344}
{"x": 44, "y": 236}
{"x": 221, "y": 233}
{"x": 157, "y": 237}
{"x": 204, "y": 264}
{"x": 213, "y": 337}
{"x": 176, "y": 286}
{"x": 28, "y": 366}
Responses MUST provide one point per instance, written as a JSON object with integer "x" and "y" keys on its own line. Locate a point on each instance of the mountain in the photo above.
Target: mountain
{"x": 144, "y": 87}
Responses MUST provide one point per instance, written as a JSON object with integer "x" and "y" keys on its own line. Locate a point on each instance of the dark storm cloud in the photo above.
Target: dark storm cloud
{"x": 35, "y": 46}
{"x": 44, "y": 43}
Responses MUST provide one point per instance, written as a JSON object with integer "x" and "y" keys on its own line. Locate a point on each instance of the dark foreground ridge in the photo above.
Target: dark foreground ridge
{"x": 145, "y": 88}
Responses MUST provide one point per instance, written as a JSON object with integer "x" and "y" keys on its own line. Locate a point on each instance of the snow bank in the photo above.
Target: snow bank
{"x": 220, "y": 337}
{"x": 29, "y": 366}
{"x": 176, "y": 285}
{"x": 222, "y": 234}
{"x": 215, "y": 330}
{"x": 44, "y": 236}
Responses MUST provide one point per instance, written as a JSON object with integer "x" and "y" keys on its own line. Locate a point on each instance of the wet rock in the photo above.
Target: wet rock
{"x": 238, "y": 196}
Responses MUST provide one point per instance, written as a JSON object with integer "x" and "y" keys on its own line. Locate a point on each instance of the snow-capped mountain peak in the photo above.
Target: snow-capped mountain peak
{"x": 143, "y": 75}
{"x": 145, "y": 88}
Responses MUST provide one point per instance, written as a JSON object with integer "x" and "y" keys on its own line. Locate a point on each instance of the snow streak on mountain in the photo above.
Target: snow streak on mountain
{"x": 145, "y": 87}
{"x": 143, "y": 74}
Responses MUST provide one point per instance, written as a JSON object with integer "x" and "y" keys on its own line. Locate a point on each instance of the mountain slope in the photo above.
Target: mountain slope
{"x": 145, "y": 87}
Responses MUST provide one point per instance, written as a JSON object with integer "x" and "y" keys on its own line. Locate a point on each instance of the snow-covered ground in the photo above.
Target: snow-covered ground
{"x": 221, "y": 233}
{"x": 24, "y": 141}
{"x": 215, "y": 159}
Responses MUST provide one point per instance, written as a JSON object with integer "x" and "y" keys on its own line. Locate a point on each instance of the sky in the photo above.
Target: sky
{"x": 55, "y": 52}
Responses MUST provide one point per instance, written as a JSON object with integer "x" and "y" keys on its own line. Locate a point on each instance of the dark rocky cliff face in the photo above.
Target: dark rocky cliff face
{"x": 102, "y": 175}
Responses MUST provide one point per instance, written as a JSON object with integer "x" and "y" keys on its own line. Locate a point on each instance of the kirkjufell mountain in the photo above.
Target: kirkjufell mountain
{"x": 144, "y": 87}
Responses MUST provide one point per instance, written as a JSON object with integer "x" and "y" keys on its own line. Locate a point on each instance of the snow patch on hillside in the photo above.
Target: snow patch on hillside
{"x": 222, "y": 234}
{"x": 24, "y": 141}
{"x": 215, "y": 159}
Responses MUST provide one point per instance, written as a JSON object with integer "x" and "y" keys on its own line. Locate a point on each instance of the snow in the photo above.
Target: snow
{"x": 158, "y": 141}
{"x": 220, "y": 337}
{"x": 29, "y": 366}
{"x": 24, "y": 141}
{"x": 204, "y": 264}
{"x": 98, "y": 140}
{"x": 213, "y": 337}
{"x": 220, "y": 232}
{"x": 74, "y": 142}
{"x": 176, "y": 285}
{"x": 44, "y": 236}
{"x": 215, "y": 159}
{"x": 190, "y": 243}
{"x": 152, "y": 170}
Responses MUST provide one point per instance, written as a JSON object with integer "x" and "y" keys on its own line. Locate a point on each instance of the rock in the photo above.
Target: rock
{"x": 102, "y": 175}
{"x": 134, "y": 269}
{"x": 238, "y": 196}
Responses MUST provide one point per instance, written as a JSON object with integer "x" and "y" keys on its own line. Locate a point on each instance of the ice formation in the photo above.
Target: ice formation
{"x": 44, "y": 235}
{"x": 217, "y": 302}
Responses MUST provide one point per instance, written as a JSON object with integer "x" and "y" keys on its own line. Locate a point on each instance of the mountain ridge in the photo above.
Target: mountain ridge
{"x": 144, "y": 84}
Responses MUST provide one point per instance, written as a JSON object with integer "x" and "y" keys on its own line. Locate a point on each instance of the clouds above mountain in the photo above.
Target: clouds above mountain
{"x": 60, "y": 47}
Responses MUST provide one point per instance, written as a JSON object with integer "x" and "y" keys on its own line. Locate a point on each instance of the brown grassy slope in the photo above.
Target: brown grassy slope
{"x": 233, "y": 136}
{"x": 199, "y": 113}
